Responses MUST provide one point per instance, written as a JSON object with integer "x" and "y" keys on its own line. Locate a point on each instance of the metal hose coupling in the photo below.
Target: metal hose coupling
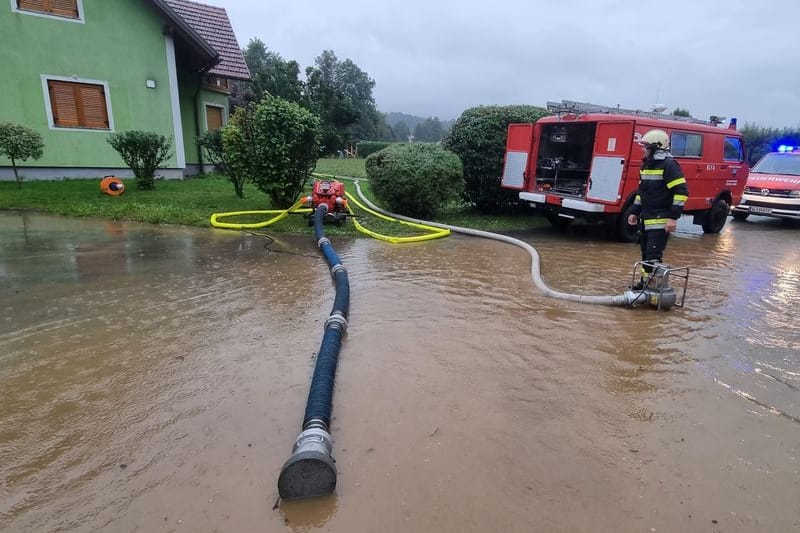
{"x": 337, "y": 320}
{"x": 322, "y": 242}
{"x": 311, "y": 470}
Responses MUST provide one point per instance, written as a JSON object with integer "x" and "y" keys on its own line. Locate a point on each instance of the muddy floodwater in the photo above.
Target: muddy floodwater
{"x": 153, "y": 379}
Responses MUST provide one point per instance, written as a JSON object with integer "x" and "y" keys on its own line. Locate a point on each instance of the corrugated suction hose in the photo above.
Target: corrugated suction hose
{"x": 311, "y": 470}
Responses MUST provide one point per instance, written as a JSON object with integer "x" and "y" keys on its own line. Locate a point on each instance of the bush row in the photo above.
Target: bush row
{"x": 367, "y": 148}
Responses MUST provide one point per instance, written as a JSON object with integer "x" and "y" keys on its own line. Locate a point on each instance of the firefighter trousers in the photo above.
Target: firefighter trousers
{"x": 653, "y": 242}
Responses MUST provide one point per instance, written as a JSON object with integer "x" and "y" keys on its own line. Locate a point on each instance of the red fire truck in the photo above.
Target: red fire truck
{"x": 583, "y": 162}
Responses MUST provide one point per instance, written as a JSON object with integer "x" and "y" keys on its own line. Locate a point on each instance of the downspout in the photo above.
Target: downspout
{"x": 199, "y": 130}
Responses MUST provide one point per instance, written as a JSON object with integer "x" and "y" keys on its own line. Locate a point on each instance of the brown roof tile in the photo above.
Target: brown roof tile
{"x": 212, "y": 24}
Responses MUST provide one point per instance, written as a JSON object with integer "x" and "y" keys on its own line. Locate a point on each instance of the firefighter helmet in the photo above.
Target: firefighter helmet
{"x": 655, "y": 139}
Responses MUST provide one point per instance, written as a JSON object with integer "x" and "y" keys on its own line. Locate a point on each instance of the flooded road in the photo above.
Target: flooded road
{"x": 154, "y": 379}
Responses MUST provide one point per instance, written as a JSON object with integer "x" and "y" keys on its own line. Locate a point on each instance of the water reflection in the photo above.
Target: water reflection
{"x": 306, "y": 515}
{"x": 154, "y": 379}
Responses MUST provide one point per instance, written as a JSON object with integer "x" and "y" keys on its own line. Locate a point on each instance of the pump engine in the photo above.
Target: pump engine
{"x": 656, "y": 290}
{"x": 331, "y": 194}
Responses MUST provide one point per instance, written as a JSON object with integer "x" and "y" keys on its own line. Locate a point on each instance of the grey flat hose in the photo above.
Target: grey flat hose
{"x": 536, "y": 276}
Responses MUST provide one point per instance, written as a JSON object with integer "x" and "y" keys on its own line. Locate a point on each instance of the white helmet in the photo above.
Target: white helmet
{"x": 657, "y": 139}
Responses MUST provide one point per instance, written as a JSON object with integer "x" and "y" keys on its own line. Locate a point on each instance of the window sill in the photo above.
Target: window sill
{"x": 79, "y": 128}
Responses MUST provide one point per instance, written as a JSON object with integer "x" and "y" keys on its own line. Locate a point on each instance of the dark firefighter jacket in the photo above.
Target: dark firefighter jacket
{"x": 662, "y": 192}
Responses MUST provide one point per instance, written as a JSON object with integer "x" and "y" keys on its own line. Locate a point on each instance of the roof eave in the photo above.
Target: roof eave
{"x": 209, "y": 55}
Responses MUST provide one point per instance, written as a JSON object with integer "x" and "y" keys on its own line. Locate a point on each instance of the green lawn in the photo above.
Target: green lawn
{"x": 353, "y": 168}
{"x": 192, "y": 201}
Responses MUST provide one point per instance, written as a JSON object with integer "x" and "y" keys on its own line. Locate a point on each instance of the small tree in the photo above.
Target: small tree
{"x": 19, "y": 143}
{"x": 211, "y": 142}
{"x": 143, "y": 152}
{"x": 415, "y": 179}
{"x": 479, "y": 138}
{"x": 275, "y": 145}
{"x": 680, "y": 112}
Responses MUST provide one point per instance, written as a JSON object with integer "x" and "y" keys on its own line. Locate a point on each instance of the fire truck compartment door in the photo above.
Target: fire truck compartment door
{"x": 612, "y": 144}
{"x": 520, "y": 137}
{"x": 605, "y": 178}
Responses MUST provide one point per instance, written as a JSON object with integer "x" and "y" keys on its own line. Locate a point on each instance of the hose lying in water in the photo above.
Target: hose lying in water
{"x": 311, "y": 470}
{"x": 627, "y": 298}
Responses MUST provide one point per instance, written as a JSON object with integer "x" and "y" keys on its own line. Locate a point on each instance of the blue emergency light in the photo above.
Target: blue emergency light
{"x": 784, "y": 148}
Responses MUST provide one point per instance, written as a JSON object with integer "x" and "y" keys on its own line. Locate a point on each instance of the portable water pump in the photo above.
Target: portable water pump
{"x": 656, "y": 290}
{"x": 330, "y": 193}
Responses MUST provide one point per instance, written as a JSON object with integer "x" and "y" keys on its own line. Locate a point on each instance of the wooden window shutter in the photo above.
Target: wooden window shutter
{"x": 213, "y": 117}
{"x": 64, "y": 8}
{"x": 78, "y": 105}
{"x": 64, "y": 104}
{"x": 93, "y": 100}
{"x": 59, "y": 8}
{"x": 34, "y": 5}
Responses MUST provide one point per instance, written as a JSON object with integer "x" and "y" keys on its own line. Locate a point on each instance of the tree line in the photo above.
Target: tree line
{"x": 338, "y": 91}
{"x": 759, "y": 140}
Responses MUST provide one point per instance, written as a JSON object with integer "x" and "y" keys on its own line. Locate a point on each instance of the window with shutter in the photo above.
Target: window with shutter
{"x": 78, "y": 105}
{"x": 58, "y": 8}
{"x": 214, "y": 117}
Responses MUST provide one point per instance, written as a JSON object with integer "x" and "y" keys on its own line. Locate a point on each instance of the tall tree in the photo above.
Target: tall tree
{"x": 271, "y": 74}
{"x": 341, "y": 94}
{"x": 336, "y": 111}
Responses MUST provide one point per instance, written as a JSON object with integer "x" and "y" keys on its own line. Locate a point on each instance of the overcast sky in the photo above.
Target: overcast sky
{"x": 735, "y": 58}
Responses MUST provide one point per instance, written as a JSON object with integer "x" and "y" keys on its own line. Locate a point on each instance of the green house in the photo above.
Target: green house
{"x": 77, "y": 70}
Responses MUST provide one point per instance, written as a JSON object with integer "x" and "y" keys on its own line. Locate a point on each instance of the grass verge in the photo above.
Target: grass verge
{"x": 191, "y": 202}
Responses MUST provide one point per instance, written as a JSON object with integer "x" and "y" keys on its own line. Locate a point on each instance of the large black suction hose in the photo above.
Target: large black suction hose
{"x": 627, "y": 298}
{"x": 311, "y": 470}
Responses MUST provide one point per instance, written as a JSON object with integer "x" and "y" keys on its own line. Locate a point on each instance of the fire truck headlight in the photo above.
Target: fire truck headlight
{"x": 794, "y": 194}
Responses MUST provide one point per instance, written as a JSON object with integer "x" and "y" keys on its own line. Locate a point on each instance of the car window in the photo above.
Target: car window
{"x": 733, "y": 149}
{"x": 778, "y": 164}
{"x": 686, "y": 144}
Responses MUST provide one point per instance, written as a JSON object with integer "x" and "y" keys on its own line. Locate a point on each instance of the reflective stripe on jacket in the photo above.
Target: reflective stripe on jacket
{"x": 662, "y": 192}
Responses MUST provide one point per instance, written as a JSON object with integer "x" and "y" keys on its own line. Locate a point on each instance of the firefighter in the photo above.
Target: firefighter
{"x": 659, "y": 199}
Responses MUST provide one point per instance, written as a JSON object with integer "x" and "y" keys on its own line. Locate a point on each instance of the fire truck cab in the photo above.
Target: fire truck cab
{"x": 583, "y": 162}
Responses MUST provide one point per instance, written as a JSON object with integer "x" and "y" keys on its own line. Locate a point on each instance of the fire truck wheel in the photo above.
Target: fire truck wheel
{"x": 624, "y": 231}
{"x": 717, "y": 216}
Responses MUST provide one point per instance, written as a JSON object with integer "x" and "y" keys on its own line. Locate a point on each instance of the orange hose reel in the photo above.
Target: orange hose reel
{"x": 112, "y": 185}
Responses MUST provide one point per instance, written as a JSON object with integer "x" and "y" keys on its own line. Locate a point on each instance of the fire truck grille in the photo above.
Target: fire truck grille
{"x": 777, "y": 193}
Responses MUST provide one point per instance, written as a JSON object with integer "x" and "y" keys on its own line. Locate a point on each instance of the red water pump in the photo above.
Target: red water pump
{"x": 330, "y": 193}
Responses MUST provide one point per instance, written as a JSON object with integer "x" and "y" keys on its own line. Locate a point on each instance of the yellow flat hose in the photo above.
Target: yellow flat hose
{"x": 280, "y": 214}
{"x": 433, "y": 233}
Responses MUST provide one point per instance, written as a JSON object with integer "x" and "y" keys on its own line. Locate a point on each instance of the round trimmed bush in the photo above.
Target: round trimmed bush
{"x": 479, "y": 139}
{"x": 415, "y": 179}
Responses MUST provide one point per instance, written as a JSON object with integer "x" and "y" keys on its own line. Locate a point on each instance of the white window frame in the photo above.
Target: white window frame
{"x": 214, "y": 104}
{"x": 48, "y": 106}
{"x": 79, "y": 20}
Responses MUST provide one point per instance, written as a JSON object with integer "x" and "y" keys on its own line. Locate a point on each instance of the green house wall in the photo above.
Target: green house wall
{"x": 119, "y": 42}
{"x": 193, "y": 112}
